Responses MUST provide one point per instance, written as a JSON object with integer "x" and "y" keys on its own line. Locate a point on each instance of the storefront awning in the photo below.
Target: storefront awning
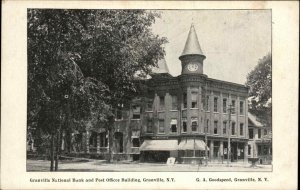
{"x": 191, "y": 144}
{"x": 159, "y": 145}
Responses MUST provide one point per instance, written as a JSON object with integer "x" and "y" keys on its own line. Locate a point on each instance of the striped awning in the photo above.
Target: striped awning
{"x": 159, "y": 145}
{"x": 191, "y": 144}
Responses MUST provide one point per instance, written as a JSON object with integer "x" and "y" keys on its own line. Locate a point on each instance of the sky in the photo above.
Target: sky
{"x": 232, "y": 40}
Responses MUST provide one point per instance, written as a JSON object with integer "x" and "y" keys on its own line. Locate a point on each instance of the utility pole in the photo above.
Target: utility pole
{"x": 229, "y": 129}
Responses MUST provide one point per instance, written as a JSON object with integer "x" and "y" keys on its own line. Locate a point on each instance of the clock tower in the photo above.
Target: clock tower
{"x": 192, "y": 56}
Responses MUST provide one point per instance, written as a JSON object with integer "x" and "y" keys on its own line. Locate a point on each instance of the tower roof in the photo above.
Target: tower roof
{"x": 192, "y": 45}
{"x": 162, "y": 67}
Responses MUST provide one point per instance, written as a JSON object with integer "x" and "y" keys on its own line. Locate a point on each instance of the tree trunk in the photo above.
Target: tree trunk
{"x": 110, "y": 144}
{"x": 52, "y": 152}
{"x": 57, "y": 149}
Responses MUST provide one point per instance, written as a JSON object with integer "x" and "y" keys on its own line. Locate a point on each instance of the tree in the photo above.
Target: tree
{"x": 81, "y": 65}
{"x": 259, "y": 82}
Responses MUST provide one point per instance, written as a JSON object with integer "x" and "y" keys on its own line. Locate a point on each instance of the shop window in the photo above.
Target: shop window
{"x": 184, "y": 100}
{"x": 265, "y": 150}
{"x": 194, "y": 100}
{"x": 215, "y": 127}
{"x": 161, "y": 103}
{"x": 119, "y": 141}
{"x": 224, "y": 105}
{"x": 149, "y": 126}
{"x": 184, "y": 125}
{"x": 173, "y": 125}
{"x": 136, "y": 112}
{"x": 161, "y": 126}
{"x": 215, "y": 104}
{"x": 174, "y": 103}
{"x": 259, "y": 133}
{"x": 194, "y": 124}
{"x": 149, "y": 105}
{"x": 259, "y": 152}
{"x": 233, "y": 106}
{"x": 241, "y": 129}
{"x": 135, "y": 142}
{"x": 224, "y": 127}
{"x": 241, "y": 108}
{"x": 249, "y": 150}
{"x": 233, "y": 128}
{"x": 103, "y": 139}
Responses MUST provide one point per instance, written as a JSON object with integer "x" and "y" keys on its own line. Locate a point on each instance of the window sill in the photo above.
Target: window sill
{"x": 149, "y": 111}
{"x": 194, "y": 108}
{"x": 136, "y": 119}
{"x": 173, "y": 110}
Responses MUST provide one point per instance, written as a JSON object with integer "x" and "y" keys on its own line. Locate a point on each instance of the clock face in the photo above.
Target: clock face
{"x": 192, "y": 67}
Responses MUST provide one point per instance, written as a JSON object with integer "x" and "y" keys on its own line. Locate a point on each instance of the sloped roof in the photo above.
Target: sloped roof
{"x": 253, "y": 119}
{"x": 162, "y": 67}
{"x": 192, "y": 45}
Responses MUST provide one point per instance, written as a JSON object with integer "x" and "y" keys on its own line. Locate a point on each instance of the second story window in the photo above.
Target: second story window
{"x": 215, "y": 104}
{"x": 149, "y": 105}
{"x": 173, "y": 125}
{"x": 233, "y": 106}
{"x": 215, "y": 127}
{"x": 136, "y": 112}
{"x": 233, "y": 128}
{"x": 184, "y": 97}
{"x": 194, "y": 124}
{"x": 224, "y": 105}
{"x": 174, "y": 103}
{"x": 161, "y": 103}
{"x": 259, "y": 133}
{"x": 149, "y": 128}
{"x": 184, "y": 125}
{"x": 207, "y": 107}
{"x": 265, "y": 132}
{"x": 251, "y": 134}
{"x": 241, "y": 129}
{"x": 224, "y": 127}
{"x": 194, "y": 100}
{"x": 241, "y": 108}
{"x": 119, "y": 114}
{"x": 161, "y": 126}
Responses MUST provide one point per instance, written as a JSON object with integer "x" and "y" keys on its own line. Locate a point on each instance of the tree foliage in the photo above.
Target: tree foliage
{"x": 259, "y": 82}
{"x": 81, "y": 64}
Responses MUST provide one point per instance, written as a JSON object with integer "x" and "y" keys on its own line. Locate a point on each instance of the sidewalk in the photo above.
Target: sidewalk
{"x": 101, "y": 165}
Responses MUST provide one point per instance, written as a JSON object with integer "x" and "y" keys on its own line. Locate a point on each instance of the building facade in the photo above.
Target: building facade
{"x": 260, "y": 141}
{"x": 185, "y": 117}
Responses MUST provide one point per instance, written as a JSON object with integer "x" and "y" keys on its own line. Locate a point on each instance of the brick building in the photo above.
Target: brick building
{"x": 183, "y": 116}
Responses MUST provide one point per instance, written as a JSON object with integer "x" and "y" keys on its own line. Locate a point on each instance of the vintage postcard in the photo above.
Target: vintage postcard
{"x": 149, "y": 95}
